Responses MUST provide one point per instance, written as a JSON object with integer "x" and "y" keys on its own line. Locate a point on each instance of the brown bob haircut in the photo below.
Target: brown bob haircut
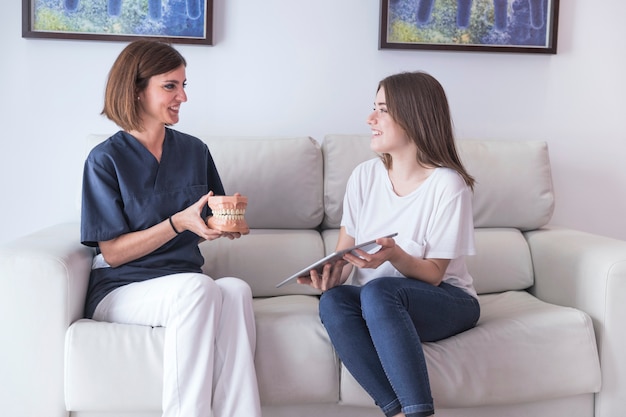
{"x": 418, "y": 103}
{"x": 129, "y": 76}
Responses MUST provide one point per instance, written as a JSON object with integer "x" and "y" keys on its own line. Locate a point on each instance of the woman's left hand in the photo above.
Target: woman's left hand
{"x": 330, "y": 276}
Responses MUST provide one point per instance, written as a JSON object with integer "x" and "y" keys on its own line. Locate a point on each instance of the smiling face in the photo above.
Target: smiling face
{"x": 160, "y": 101}
{"x": 387, "y": 135}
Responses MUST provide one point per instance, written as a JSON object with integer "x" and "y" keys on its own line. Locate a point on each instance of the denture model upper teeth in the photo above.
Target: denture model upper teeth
{"x": 230, "y": 213}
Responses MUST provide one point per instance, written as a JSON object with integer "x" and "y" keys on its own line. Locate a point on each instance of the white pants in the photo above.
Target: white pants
{"x": 210, "y": 339}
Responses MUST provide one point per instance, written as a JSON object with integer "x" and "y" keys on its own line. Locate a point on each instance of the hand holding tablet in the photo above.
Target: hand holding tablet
{"x": 368, "y": 246}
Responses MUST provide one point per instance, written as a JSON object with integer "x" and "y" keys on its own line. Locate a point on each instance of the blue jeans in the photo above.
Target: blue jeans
{"x": 377, "y": 331}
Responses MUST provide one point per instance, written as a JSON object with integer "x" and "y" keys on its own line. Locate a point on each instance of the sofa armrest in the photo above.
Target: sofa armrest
{"x": 588, "y": 272}
{"x": 43, "y": 282}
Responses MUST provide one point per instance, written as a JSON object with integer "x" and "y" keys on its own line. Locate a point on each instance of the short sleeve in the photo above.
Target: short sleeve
{"x": 452, "y": 235}
{"x": 102, "y": 215}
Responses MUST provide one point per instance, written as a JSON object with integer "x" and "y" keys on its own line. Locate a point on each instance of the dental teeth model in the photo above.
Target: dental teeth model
{"x": 228, "y": 214}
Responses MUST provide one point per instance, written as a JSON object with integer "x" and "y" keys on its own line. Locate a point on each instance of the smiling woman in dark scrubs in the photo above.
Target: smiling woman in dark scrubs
{"x": 144, "y": 210}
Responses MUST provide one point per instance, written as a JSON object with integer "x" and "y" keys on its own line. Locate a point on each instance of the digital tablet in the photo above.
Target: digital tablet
{"x": 365, "y": 246}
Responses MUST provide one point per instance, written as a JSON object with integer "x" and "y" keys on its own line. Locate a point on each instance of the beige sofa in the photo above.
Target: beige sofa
{"x": 551, "y": 299}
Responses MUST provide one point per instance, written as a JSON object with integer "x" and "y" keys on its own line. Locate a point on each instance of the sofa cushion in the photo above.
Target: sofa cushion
{"x": 295, "y": 362}
{"x": 281, "y": 176}
{"x": 513, "y": 179}
{"x": 513, "y": 182}
{"x": 118, "y": 367}
{"x": 264, "y": 258}
{"x": 113, "y": 367}
{"x": 502, "y": 261}
{"x": 342, "y": 153}
{"x": 518, "y": 338}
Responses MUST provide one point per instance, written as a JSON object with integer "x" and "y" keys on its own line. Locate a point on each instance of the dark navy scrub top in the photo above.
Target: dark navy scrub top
{"x": 125, "y": 189}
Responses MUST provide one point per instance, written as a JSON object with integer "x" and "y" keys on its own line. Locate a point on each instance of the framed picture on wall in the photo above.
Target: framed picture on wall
{"x": 528, "y": 26}
{"x": 175, "y": 21}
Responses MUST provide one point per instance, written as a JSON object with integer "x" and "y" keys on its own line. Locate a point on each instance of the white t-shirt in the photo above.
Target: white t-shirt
{"x": 433, "y": 221}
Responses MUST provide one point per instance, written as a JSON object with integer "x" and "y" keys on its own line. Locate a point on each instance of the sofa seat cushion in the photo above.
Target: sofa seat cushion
{"x": 295, "y": 362}
{"x": 113, "y": 367}
{"x": 118, "y": 367}
{"x": 522, "y": 350}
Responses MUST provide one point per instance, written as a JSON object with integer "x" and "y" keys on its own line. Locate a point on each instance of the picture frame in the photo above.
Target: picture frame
{"x": 172, "y": 21}
{"x": 519, "y": 26}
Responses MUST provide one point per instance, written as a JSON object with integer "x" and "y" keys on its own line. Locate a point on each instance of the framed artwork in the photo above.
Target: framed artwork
{"x": 175, "y": 21}
{"x": 528, "y": 26}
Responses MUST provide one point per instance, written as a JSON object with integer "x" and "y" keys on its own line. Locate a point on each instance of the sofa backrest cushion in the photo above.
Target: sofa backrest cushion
{"x": 502, "y": 261}
{"x": 281, "y": 176}
{"x": 513, "y": 179}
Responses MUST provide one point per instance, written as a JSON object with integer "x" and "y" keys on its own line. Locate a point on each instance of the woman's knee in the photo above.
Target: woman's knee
{"x": 376, "y": 290}
{"x": 337, "y": 301}
{"x": 392, "y": 289}
{"x": 194, "y": 287}
{"x": 382, "y": 296}
{"x": 234, "y": 287}
{"x": 330, "y": 299}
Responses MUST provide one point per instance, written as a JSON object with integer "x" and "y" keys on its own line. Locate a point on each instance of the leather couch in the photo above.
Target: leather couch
{"x": 553, "y": 299}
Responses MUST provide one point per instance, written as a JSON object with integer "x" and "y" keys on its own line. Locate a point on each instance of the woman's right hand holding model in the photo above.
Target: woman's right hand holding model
{"x": 191, "y": 219}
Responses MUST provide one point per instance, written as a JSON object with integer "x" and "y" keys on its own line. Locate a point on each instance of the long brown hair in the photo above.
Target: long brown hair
{"x": 418, "y": 103}
{"x": 129, "y": 76}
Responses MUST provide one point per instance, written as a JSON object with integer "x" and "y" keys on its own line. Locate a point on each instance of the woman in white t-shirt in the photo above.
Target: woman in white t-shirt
{"x": 416, "y": 288}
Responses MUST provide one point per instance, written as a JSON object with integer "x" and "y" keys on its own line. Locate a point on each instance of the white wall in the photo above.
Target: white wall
{"x": 285, "y": 67}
